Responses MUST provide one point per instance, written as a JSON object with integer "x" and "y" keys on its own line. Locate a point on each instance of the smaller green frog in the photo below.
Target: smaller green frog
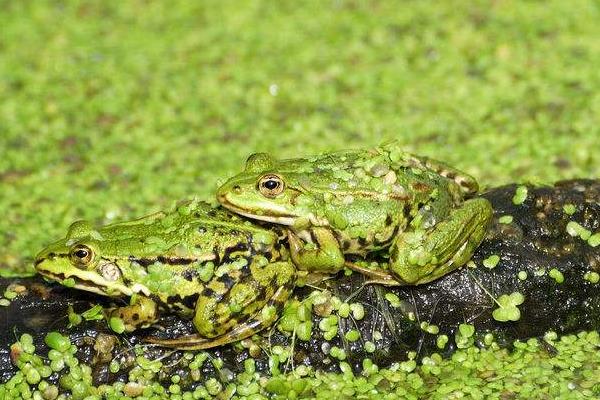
{"x": 231, "y": 277}
{"x": 363, "y": 201}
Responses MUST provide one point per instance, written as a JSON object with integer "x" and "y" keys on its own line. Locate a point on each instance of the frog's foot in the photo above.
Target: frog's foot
{"x": 140, "y": 314}
{"x": 422, "y": 256}
{"x": 376, "y": 276}
{"x": 306, "y": 278}
{"x": 318, "y": 252}
{"x": 264, "y": 318}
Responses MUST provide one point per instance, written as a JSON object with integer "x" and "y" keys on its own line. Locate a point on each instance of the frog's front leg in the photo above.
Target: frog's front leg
{"x": 319, "y": 253}
{"x": 140, "y": 313}
{"x": 228, "y": 315}
{"x": 425, "y": 254}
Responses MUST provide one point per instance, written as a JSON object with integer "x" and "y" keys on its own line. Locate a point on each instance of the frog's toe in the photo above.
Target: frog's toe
{"x": 197, "y": 342}
{"x": 188, "y": 342}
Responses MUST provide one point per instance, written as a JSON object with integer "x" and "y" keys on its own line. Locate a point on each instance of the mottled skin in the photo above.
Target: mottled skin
{"x": 231, "y": 277}
{"x": 362, "y": 201}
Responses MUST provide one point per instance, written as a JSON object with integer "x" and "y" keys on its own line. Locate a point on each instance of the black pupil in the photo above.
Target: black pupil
{"x": 271, "y": 184}
{"x": 81, "y": 253}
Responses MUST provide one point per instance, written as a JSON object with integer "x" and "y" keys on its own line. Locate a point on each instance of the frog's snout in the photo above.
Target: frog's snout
{"x": 39, "y": 257}
{"x": 37, "y": 262}
{"x": 224, "y": 192}
{"x": 50, "y": 253}
{"x": 42, "y": 256}
{"x": 235, "y": 189}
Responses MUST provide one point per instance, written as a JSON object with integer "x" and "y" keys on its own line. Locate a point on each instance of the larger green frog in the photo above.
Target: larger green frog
{"x": 229, "y": 276}
{"x": 362, "y": 201}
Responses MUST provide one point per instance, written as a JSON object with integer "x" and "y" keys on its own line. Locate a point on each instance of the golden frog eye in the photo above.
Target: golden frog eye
{"x": 270, "y": 185}
{"x": 81, "y": 255}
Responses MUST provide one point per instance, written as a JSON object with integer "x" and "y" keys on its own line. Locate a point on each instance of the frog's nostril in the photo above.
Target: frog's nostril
{"x": 237, "y": 189}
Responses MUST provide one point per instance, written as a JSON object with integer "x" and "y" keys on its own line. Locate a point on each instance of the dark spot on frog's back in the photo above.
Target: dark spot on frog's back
{"x": 388, "y": 220}
{"x": 187, "y": 301}
{"x": 420, "y": 187}
{"x": 227, "y": 280}
{"x": 155, "y": 298}
{"x": 175, "y": 260}
{"x": 190, "y": 301}
{"x": 232, "y": 249}
{"x": 216, "y": 251}
{"x": 189, "y": 274}
{"x": 144, "y": 262}
{"x": 211, "y": 294}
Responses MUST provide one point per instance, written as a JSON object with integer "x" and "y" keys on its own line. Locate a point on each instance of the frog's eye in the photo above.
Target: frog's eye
{"x": 81, "y": 255}
{"x": 270, "y": 185}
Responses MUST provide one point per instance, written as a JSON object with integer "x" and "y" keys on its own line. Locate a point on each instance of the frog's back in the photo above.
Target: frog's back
{"x": 192, "y": 231}
{"x": 400, "y": 159}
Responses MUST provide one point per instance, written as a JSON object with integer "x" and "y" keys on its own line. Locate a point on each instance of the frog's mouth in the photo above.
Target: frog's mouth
{"x": 275, "y": 216}
{"x": 80, "y": 283}
{"x": 92, "y": 283}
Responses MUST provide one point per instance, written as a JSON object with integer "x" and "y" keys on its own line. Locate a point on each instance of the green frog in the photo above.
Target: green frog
{"x": 417, "y": 211}
{"x": 229, "y": 276}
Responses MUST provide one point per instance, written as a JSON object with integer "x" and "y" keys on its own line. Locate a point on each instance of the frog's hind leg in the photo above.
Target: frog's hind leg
{"x": 423, "y": 255}
{"x": 263, "y": 319}
{"x": 221, "y": 328}
{"x": 376, "y": 276}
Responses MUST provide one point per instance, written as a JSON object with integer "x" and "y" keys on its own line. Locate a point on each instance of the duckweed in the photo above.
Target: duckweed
{"x": 463, "y": 337}
{"x": 594, "y": 240}
{"x": 520, "y": 195}
{"x": 58, "y": 342}
{"x": 491, "y": 261}
{"x": 393, "y": 299}
{"x": 358, "y": 311}
{"x": 369, "y": 347}
{"x": 556, "y": 275}
{"x": 575, "y": 229}
{"x": 569, "y": 209}
{"x": 592, "y": 277}
{"x": 344, "y": 310}
{"x": 507, "y": 307}
{"x": 116, "y": 324}
{"x": 441, "y": 341}
{"x": 522, "y": 275}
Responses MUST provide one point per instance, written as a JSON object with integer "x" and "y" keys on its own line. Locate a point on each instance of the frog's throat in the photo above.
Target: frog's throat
{"x": 282, "y": 219}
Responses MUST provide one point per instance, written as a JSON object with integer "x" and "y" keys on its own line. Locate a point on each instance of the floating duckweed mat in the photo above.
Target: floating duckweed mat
{"x": 565, "y": 368}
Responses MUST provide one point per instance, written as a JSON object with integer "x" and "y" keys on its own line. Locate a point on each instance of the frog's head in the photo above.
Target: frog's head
{"x": 268, "y": 190}
{"x": 78, "y": 261}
